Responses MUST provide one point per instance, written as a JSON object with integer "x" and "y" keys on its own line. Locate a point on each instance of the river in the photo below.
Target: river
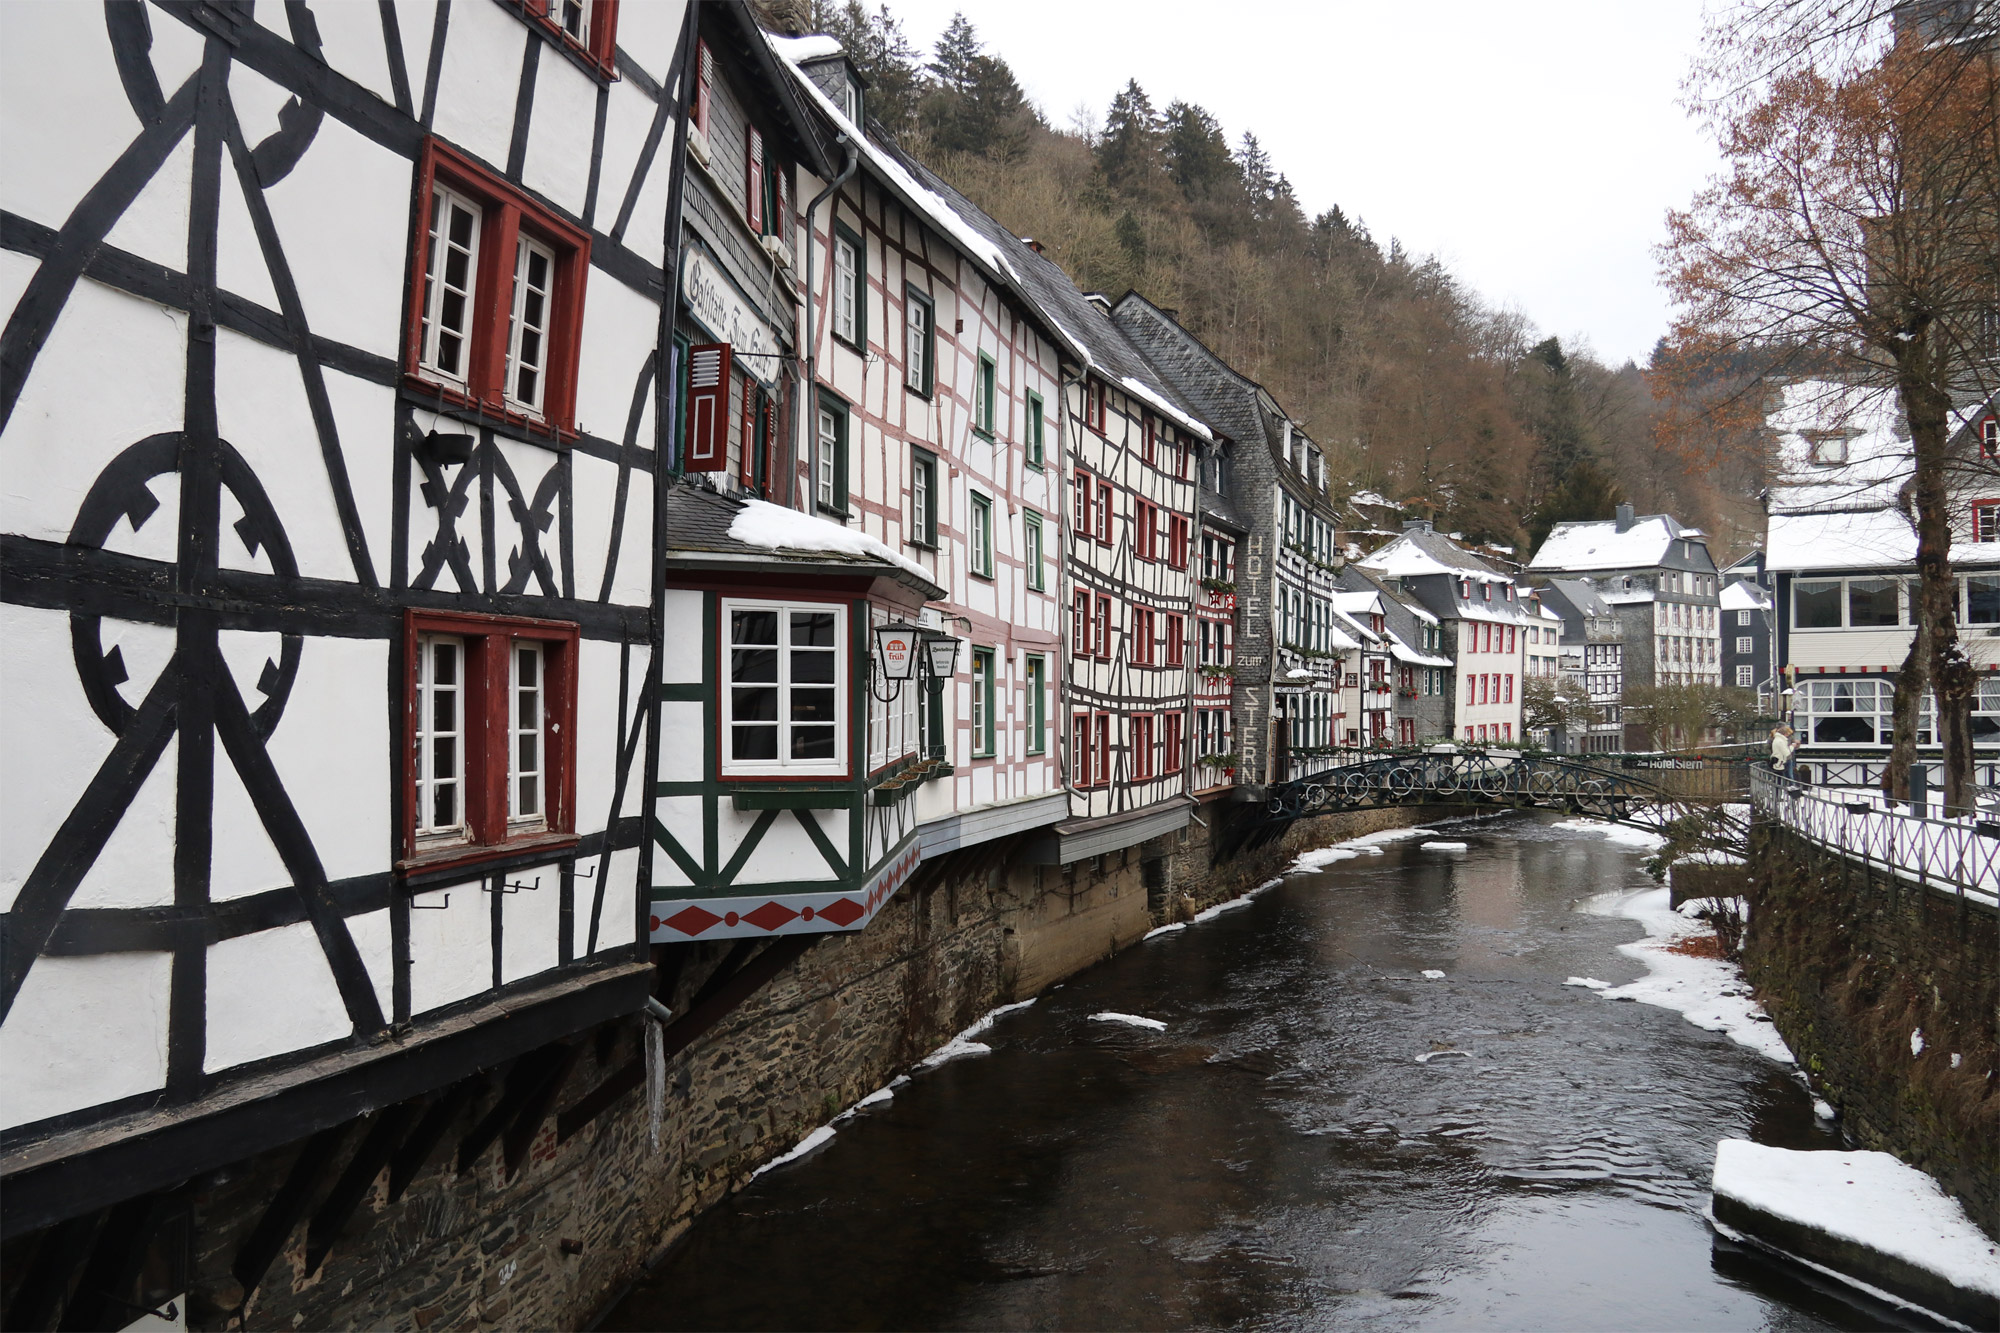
{"x": 1278, "y": 1156}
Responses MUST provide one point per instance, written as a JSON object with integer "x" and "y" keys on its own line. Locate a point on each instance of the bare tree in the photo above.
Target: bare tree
{"x": 1857, "y": 230}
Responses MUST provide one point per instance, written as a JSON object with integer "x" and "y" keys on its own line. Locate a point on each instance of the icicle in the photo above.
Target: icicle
{"x": 656, "y": 1081}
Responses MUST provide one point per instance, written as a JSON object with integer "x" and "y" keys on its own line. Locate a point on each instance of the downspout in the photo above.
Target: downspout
{"x": 811, "y": 415}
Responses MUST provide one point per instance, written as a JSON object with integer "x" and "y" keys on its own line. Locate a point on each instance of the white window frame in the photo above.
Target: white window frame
{"x": 526, "y": 249}
{"x": 916, "y": 343}
{"x": 846, "y": 288}
{"x": 429, "y": 829}
{"x": 517, "y": 772}
{"x": 1746, "y": 675}
{"x": 979, "y": 535}
{"x": 560, "y": 12}
{"x": 1031, "y": 549}
{"x": 443, "y": 199}
{"x": 826, "y": 486}
{"x": 835, "y": 767}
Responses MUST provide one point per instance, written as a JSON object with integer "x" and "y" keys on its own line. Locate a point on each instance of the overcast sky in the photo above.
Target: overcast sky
{"x": 1535, "y": 147}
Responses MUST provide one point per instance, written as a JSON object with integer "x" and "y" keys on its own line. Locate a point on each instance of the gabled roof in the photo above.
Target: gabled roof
{"x": 1220, "y": 392}
{"x": 1598, "y": 544}
{"x": 1745, "y": 596}
{"x": 1581, "y": 596}
{"x": 1418, "y": 552}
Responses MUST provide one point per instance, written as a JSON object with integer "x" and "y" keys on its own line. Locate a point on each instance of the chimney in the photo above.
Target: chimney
{"x": 1625, "y": 519}
{"x": 1417, "y": 525}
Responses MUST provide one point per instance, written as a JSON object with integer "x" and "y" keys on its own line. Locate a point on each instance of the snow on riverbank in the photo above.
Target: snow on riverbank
{"x": 1368, "y": 844}
{"x": 1619, "y": 833}
{"x": 963, "y": 1044}
{"x": 1708, "y": 992}
{"x": 1865, "y": 1199}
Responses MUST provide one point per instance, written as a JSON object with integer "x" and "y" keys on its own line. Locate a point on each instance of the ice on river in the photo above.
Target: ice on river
{"x": 1131, "y": 1020}
{"x": 963, "y": 1044}
{"x": 1621, "y": 833}
{"x": 806, "y": 1145}
{"x": 1368, "y": 844}
{"x": 1444, "y": 846}
{"x": 1708, "y": 992}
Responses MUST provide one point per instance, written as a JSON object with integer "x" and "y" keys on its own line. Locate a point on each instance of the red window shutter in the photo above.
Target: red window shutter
{"x": 770, "y": 442}
{"x": 704, "y": 87}
{"x": 1080, "y": 749}
{"x": 707, "y": 409}
{"x": 746, "y": 462}
{"x": 1103, "y": 748}
{"x": 782, "y": 224}
{"x": 753, "y": 175}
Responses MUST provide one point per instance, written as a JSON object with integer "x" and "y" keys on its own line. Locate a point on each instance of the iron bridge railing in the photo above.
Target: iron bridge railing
{"x": 1955, "y": 856}
{"x": 1496, "y": 777}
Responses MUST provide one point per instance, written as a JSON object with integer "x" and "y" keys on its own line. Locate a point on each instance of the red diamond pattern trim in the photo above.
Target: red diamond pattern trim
{"x": 842, "y": 912}
{"x": 692, "y": 920}
{"x": 770, "y": 916}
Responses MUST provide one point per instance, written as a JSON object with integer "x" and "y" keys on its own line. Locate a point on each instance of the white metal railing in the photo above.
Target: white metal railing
{"x": 1955, "y": 856}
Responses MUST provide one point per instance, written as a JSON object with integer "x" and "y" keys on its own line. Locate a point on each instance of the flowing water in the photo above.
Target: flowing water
{"x": 1279, "y": 1156}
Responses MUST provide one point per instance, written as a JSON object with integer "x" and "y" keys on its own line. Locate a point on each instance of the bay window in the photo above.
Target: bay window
{"x": 784, "y": 704}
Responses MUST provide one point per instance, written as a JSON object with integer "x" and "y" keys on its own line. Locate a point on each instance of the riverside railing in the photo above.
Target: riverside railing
{"x": 1954, "y": 856}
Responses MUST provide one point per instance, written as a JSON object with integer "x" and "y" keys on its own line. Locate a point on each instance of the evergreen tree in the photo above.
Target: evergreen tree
{"x": 975, "y": 105}
{"x": 1131, "y": 152}
{"x": 1254, "y": 165}
{"x": 1197, "y": 155}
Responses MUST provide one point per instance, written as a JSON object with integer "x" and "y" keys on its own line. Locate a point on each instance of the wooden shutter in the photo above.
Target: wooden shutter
{"x": 704, "y": 87}
{"x": 707, "y": 409}
{"x": 781, "y": 225}
{"x": 746, "y": 462}
{"x": 753, "y": 175}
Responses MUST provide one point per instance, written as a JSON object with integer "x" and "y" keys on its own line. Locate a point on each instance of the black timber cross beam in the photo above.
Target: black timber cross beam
{"x": 384, "y": 1136}
{"x": 408, "y": 1160}
{"x": 267, "y": 1240}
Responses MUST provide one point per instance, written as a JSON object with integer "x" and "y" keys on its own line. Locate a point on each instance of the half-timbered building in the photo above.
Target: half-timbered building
{"x": 1289, "y": 645}
{"x": 332, "y": 375}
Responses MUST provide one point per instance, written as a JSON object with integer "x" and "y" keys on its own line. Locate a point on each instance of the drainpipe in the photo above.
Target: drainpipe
{"x": 811, "y": 413}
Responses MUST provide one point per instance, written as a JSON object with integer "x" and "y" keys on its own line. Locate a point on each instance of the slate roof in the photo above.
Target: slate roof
{"x": 1415, "y": 550}
{"x": 1580, "y": 595}
{"x": 1217, "y": 390}
{"x": 698, "y": 523}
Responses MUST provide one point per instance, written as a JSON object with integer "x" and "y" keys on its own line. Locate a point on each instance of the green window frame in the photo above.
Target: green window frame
{"x": 923, "y": 497}
{"x": 980, "y": 537}
{"x": 842, "y": 234}
{"x": 1037, "y": 415}
{"x": 982, "y": 703}
{"x": 830, "y": 481}
{"x": 1035, "y": 671}
{"x": 984, "y": 385}
{"x": 1031, "y": 549}
{"x": 919, "y": 342}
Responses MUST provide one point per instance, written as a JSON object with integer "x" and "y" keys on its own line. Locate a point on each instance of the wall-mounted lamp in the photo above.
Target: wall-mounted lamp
{"x": 896, "y": 656}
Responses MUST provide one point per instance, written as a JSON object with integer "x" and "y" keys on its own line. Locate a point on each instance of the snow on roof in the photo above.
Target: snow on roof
{"x": 1859, "y": 426}
{"x": 1418, "y": 553}
{"x": 1160, "y": 404}
{"x": 1404, "y": 653}
{"x": 1841, "y": 539}
{"x": 926, "y": 201}
{"x": 1744, "y": 595}
{"x": 1869, "y": 1199}
{"x": 1599, "y": 544}
{"x": 774, "y": 528}
{"x": 1365, "y": 601}
{"x": 799, "y": 50}
{"x": 1370, "y": 498}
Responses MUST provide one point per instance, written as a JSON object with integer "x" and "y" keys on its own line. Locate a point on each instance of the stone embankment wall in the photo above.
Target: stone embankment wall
{"x": 473, "y": 1245}
{"x": 1851, "y": 964}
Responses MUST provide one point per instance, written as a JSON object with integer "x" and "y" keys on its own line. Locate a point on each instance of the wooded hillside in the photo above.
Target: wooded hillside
{"x": 1414, "y": 385}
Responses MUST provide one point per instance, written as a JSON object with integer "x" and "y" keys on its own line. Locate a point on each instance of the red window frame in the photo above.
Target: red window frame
{"x": 599, "y": 50}
{"x": 1101, "y": 632}
{"x": 1986, "y": 519}
{"x": 1106, "y": 507}
{"x": 1085, "y": 491}
{"x": 1170, "y": 744}
{"x": 1178, "y": 544}
{"x": 504, "y": 213}
{"x": 1080, "y": 749}
{"x": 1176, "y": 641}
{"x": 1151, "y": 427}
{"x": 1510, "y": 688}
{"x": 1142, "y": 636}
{"x": 1080, "y": 629}
{"x": 753, "y": 178}
{"x": 1093, "y": 405}
{"x": 1141, "y": 732}
{"x": 488, "y": 702}
{"x": 1103, "y": 765}
{"x": 1145, "y": 530}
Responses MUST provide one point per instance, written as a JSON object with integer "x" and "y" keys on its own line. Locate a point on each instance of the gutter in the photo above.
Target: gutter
{"x": 847, "y": 171}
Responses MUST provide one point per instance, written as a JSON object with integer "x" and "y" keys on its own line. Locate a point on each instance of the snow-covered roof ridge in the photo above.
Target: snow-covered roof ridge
{"x": 1744, "y": 595}
{"x": 775, "y": 528}
{"x": 1418, "y": 552}
{"x": 1603, "y": 544}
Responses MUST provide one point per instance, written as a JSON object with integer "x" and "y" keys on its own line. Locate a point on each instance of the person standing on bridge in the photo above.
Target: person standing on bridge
{"x": 1784, "y": 745}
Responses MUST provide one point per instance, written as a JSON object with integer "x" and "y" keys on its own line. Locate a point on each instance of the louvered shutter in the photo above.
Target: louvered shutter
{"x": 707, "y": 409}
{"x": 753, "y": 175}
{"x": 704, "y": 87}
{"x": 782, "y": 224}
{"x": 746, "y": 463}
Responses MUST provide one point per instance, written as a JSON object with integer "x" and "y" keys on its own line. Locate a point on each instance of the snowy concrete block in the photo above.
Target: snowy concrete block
{"x": 1862, "y": 1217}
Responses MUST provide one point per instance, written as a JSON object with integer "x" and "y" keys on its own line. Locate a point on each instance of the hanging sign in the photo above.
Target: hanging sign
{"x": 715, "y": 302}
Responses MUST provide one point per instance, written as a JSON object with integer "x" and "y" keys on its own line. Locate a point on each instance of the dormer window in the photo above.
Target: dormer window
{"x": 1826, "y": 448}
{"x": 1465, "y": 590}
{"x": 850, "y": 100}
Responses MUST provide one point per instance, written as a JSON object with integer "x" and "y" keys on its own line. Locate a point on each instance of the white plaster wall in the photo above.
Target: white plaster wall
{"x": 343, "y": 215}
{"x": 364, "y": 415}
{"x": 373, "y": 942}
{"x": 243, "y": 860}
{"x": 269, "y": 993}
{"x": 632, "y": 585}
{"x": 414, "y": 22}
{"x": 647, "y": 33}
{"x": 1854, "y": 649}
{"x": 481, "y": 74}
{"x": 593, "y": 497}
{"x": 333, "y": 742}
{"x": 531, "y": 923}
{"x": 531, "y": 464}
{"x": 352, "y": 42}
{"x": 628, "y": 117}
{"x": 155, "y": 224}
{"x": 451, "y": 945}
{"x": 57, "y": 440}
{"x": 682, "y": 740}
{"x": 135, "y": 868}
{"x": 682, "y": 817}
{"x": 618, "y": 925}
{"x": 46, "y": 716}
{"x": 557, "y": 162}
{"x": 620, "y": 329}
{"x": 84, "y": 1031}
{"x": 597, "y": 731}
{"x": 786, "y": 852}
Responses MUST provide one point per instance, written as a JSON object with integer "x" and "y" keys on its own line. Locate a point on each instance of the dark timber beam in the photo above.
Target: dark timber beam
{"x": 520, "y": 1135}
{"x": 369, "y": 1159}
{"x": 267, "y": 1241}
{"x": 408, "y": 1162}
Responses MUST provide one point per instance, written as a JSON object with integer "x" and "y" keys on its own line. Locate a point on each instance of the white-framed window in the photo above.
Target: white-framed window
{"x": 451, "y": 273}
{"x": 784, "y": 705}
{"x": 440, "y": 736}
{"x": 1031, "y": 548}
{"x": 526, "y": 717}
{"x": 528, "y": 340}
{"x": 829, "y": 443}
{"x": 1746, "y": 675}
{"x": 846, "y": 289}
{"x": 573, "y": 17}
{"x": 1744, "y": 644}
{"x": 850, "y": 101}
{"x": 982, "y": 536}
{"x": 917, "y": 341}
